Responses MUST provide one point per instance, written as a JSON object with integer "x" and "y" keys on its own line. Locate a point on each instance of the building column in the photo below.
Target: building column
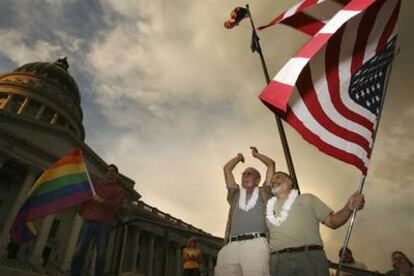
{"x": 135, "y": 250}
{"x": 54, "y": 119}
{"x": 123, "y": 248}
{"x": 178, "y": 265}
{"x": 115, "y": 248}
{"x": 151, "y": 245}
{"x": 5, "y": 235}
{"x": 23, "y": 106}
{"x": 6, "y": 105}
{"x": 40, "y": 112}
{"x": 110, "y": 251}
{"x": 71, "y": 243}
{"x": 167, "y": 250}
{"x": 37, "y": 258}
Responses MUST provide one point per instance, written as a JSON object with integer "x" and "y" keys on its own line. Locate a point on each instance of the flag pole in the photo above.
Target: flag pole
{"x": 279, "y": 124}
{"x": 87, "y": 173}
{"x": 349, "y": 231}
{"x": 362, "y": 183}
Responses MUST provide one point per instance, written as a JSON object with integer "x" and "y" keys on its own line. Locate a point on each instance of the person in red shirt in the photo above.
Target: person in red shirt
{"x": 99, "y": 214}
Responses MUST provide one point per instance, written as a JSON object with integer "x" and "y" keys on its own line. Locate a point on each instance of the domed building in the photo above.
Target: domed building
{"x": 40, "y": 121}
{"x": 45, "y": 93}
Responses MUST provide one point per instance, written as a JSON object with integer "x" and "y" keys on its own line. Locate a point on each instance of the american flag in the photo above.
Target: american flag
{"x": 331, "y": 91}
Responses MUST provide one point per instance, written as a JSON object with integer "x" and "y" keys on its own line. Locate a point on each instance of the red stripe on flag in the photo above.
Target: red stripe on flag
{"x": 305, "y": 23}
{"x": 313, "y": 46}
{"x": 309, "y": 97}
{"x": 333, "y": 50}
{"x": 388, "y": 28}
{"x": 277, "y": 94}
{"x": 359, "y": 5}
{"x": 311, "y": 23}
{"x": 365, "y": 27}
{"x": 323, "y": 146}
{"x": 73, "y": 157}
{"x": 306, "y": 4}
{"x": 273, "y": 22}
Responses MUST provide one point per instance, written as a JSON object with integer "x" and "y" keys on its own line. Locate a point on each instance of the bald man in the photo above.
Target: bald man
{"x": 246, "y": 250}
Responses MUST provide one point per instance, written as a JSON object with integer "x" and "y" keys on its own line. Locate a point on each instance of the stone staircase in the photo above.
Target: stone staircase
{"x": 13, "y": 267}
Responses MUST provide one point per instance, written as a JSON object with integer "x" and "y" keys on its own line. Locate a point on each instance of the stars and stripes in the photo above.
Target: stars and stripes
{"x": 331, "y": 90}
{"x": 367, "y": 85}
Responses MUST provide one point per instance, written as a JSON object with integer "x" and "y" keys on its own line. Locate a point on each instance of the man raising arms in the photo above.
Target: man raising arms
{"x": 246, "y": 247}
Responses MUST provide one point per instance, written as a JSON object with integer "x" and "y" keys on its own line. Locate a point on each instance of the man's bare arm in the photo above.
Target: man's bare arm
{"x": 270, "y": 164}
{"x": 228, "y": 171}
{"x": 336, "y": 220}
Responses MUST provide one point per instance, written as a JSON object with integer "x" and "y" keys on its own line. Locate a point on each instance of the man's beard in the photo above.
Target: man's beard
{"x": 278, "y": 189}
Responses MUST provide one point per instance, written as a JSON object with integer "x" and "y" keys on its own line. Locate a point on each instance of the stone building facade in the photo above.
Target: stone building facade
{"x": 40, "y": 121}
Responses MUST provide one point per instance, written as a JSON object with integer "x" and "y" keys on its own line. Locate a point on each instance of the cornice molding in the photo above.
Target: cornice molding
{"x": 157, "y": 220}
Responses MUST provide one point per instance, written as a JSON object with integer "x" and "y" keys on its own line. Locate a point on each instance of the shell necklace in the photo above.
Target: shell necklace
{"x": 246, "y": 206}
{"x": 277, "y": 221}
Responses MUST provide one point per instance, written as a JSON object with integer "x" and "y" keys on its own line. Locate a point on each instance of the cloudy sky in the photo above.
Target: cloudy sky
{"x": 169, "y": 95}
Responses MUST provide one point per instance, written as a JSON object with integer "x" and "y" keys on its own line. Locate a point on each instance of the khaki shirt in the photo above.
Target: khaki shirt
{"x": 302, "y": 224}
{"x": 233, "y": 199}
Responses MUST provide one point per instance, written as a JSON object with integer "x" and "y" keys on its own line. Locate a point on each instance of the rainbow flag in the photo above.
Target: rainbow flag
{"x": 63, "y": 185}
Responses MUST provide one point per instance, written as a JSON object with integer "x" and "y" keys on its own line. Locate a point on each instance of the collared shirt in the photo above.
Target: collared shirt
{"x": 233, "y": 199}
{"x": 113, "y": 194}
{"x": 302, "y": 224}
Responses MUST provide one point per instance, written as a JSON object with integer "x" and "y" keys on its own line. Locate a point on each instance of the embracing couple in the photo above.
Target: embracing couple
{"x": 271, "y": 229}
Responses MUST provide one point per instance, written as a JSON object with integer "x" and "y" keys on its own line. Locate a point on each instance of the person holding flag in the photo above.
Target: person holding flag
{"x": 66, "y": 184}
{"x": 99, "y": 214}
{"x": 295, "y": 243}
{"x": 63, "y": 185}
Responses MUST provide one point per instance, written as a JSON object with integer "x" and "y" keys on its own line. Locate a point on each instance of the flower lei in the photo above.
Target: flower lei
{"x": 246, "y": 206}
{"x": 277, "y": 221}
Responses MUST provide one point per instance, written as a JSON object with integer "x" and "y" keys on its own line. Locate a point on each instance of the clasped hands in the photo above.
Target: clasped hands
{"x": 255, "y": 152}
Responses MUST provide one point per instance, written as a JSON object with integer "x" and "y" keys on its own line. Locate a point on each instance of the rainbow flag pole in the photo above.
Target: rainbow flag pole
{"x": 63, "y": 185}
{"x": 89, "y": 178}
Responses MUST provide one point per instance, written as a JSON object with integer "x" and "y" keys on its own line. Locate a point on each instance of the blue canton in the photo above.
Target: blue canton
{"x": 367, "y": 86}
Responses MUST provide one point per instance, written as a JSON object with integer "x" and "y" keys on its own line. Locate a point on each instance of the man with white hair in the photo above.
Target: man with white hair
{"x": 293, "y": 221}
{"x": 246, "y": 249}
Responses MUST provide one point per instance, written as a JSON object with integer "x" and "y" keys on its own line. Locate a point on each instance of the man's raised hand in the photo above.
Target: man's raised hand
{"x": 255, "y": 152}
{"x": 241, "y": 157}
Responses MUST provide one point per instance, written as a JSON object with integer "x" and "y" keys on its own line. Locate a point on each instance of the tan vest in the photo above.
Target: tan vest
{"x": 233, "y": 199}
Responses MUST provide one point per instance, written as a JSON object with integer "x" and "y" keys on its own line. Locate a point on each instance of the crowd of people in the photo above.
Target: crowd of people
{"x": 271, "y": 228}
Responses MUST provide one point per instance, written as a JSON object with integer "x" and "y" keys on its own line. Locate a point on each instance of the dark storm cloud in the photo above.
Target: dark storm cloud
{"x": 5, "y": 63}
{"x": 48, "y": 20}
